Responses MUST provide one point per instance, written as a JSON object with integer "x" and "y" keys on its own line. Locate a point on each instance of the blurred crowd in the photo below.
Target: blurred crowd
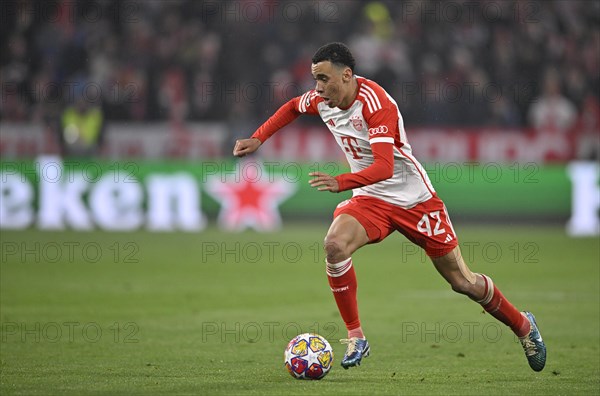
{"x": 453, "y": 63}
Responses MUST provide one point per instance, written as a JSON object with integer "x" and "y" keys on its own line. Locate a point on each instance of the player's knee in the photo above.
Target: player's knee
{"x": 335, "y": 248}
{"x": 462, "y": 286}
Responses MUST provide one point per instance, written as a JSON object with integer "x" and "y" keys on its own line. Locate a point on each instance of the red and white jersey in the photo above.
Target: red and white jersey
{"x": 373, "y": 117}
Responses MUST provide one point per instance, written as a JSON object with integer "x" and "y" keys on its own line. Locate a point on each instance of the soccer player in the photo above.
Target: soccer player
{"x": 391, "y": 192}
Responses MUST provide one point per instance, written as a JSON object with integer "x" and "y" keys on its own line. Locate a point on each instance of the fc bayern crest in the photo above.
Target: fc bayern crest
{"x": 357, "y": 122}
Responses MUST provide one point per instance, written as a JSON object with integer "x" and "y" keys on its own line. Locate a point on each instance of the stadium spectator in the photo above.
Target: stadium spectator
{"x": 131, "y": 55}
{"x": 82, "y": 127}
{"x": 552, "y": 112}
{"x": 14, "y": 76}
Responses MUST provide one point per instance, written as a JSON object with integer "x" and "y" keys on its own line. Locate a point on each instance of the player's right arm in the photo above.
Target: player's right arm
{"x": 304, "y": 104}
{"x": 246, "y": 146}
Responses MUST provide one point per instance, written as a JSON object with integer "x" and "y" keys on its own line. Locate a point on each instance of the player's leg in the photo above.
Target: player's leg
{"x": 357, "y": 222}
{"x": 428, "y": 225}
{"x": 481, "y": 289}
{"x": 344, "y": 237}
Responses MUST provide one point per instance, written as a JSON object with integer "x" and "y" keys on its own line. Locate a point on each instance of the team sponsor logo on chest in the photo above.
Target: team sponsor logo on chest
{"x": 357, "y": 122}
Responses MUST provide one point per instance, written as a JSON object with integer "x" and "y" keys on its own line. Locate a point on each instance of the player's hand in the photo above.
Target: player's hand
{"x": 246, "y": 146}
{"x": 324, "y": 182}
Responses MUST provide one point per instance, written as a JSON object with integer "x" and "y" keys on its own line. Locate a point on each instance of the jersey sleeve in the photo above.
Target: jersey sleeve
{"x": 304, "y": 104}
{"x": 307, "y": 103}
{"x": 380, "y": 114}
{"x": 382, "y": 168}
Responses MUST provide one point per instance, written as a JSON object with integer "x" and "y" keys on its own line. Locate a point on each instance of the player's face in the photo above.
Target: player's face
{"x": 332, "y": 83}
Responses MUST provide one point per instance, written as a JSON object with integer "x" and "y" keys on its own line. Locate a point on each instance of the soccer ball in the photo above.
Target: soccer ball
{"x": 308, "y": 356}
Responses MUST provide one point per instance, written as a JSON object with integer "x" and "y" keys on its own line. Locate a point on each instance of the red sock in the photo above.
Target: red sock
{"x": 342, "y": 280}
{"x": 500, "y": 308}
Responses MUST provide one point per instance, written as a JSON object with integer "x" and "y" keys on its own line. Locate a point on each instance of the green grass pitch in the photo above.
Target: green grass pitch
{"x": 211, "y": 313}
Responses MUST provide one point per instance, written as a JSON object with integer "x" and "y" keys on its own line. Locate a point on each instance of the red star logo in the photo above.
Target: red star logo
{"x": 251, "y": 201}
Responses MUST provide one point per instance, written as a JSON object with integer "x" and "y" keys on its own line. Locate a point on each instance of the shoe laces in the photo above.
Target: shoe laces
{"x": 351, "y": 342}
{"x": 528, "y": 346}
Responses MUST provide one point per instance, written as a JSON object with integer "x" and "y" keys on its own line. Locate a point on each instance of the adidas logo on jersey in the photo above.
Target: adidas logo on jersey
{"x": 331, "y": 122}
{"x": 448, "y": 238}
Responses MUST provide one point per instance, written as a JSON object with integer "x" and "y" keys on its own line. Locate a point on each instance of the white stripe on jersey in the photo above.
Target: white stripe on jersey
{"x": 448, "y": 220}
{"x": 313, "y": 94}
{"x": 374, "y": 95}
{"x": 366, "y": 101}
{"x": 302, "y": 104}
{"x": 420, "y": 169}
{"x": 305, "y": 101}
{"x": 382, "y": 140}
{"x": 372, "y": 102}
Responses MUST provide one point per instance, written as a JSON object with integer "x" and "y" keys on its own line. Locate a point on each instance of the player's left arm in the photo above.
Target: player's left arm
{"x": 381, "y": 169}
{"x": 381, "y": 126}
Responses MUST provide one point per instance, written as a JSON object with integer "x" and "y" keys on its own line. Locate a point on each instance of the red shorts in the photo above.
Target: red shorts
{"x": 427, "y": 224}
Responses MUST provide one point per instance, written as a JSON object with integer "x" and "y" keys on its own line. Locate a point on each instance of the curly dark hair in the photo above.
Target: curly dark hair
{"x": 337, "y": 53}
